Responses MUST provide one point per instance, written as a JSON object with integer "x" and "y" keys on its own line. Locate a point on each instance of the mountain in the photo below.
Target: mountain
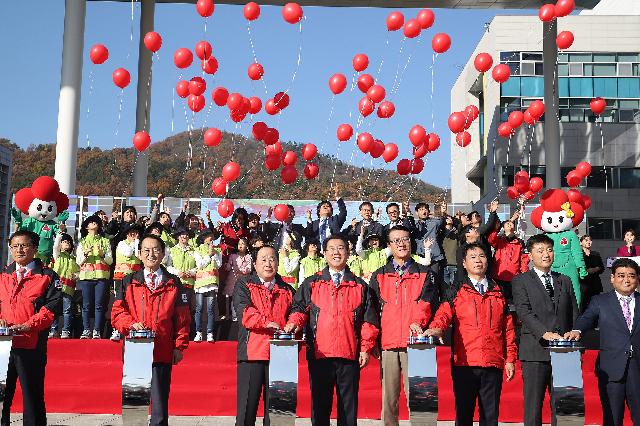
{"x": 109, "y": 172}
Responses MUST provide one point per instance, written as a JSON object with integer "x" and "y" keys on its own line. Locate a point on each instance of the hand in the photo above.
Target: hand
{"x": 336, "y": 192}
{"x": 362, "y": 230}
{"x": 291, "y": 328}
{"x": 428, "y": 243}
{"x": 137, "y": 326}
{"x": 3, "y": 323}
{"x": 375, "y": 352}
{"x": 572, "y": 335}
{"x": 160, "y": 198}
{"x": 185, "y": 206}
{"x": 100, "y": 252}
{"x": 364, "y": 359}
{"x": 114, "y": 215}
{"x": 510, "y": 370}
{"x": 493, "y": 206}
{"x": 309, "y": 217}
{"x": 273, "y": 326}
{"x": 177, "y": 356}
{"x": 435, "y": 332}
{"x": 269, "y": 212}
{"x": 406, "y": 210}
{"x": 354, "y": 222}
{"x": 415, "y": 329}
{"x": 20, "y": 328}
{"x": 62, "y": 227}
{"x": 443, "y": 208}
{"x": 550, "y": 336}
{"x": 208, "y": 215}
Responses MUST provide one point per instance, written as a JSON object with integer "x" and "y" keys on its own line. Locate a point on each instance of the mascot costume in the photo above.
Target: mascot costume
{"x": 556, "y": 216}
{"x": 41, "y": 204}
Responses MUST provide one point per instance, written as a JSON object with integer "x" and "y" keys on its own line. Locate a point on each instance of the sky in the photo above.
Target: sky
{"x": 31, "y": 48}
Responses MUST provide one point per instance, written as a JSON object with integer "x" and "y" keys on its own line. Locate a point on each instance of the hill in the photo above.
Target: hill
{"x": 109, "y": 172}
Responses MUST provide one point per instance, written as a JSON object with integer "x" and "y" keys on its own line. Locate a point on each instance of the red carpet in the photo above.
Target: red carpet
{"x": 85, "y": 377}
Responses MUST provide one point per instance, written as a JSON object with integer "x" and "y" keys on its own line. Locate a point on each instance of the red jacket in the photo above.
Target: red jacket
{"x": 257, "y": 307}
{"x": 403, "y": 301}
{"x": 509, "y": 258}
{"x": 340, "y": 321}
{"x": 164, "y": 310}
{"x": 483, "y": 332}
{"x": 36, "y": 301}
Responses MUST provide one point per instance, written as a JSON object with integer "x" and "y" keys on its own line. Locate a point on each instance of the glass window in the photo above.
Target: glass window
{"x": 579, "y": 102}
{"x": 579, "y": 57}
{"x": 588, "y": 70}
{"x": 511, "y": 87}
{"x": 627, "y": 224}
{"x": 575, "y": 69}
{"x": 629, "y": 103}
{"x": 563, "y": 57}
{"x": 597, "y": 177}
{"x": 563, "y": 114}
{"x": 564, "y": 87}
{"x": 629, "y": 87}
{"x": 528, "y": 68}
{"x": 539, "y": 68}
{"x": 605, "y": 87}
{"x": 532, "y": 86}
{"x": 576, "y": 115}
{"x": 509, "y": 56}
{"x": 636, "y": 70}
{"x": 624, "y": 69}
{"x": 629, "y": 178}
{"x": 604, "y": 57}
{"x": 604, "y": 70}
{"x": 563, "y": 70}
{"x": 563, "y": 102}
{"x": 599, "y": 228}
{"x": 514, "y": 67}
{"x": 531, "y": 56}
{"x": 628, "y": 57}
{"x": 580, "y": 88}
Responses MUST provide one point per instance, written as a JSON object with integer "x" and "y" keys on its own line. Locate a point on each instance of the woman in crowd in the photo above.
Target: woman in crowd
{"x": 629, "y": 249}
{"x": 65, "y": 265}
{"x": 591, "y": 284}
{"x": 208, "y": 261}
{"x": 289, "y": 262}
{"x": 238, "y": 265}
{"x": 312, "y": 262}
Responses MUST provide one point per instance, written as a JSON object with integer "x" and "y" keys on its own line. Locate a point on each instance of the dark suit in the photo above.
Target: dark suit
{"x": 618, "y": 373}
{"x": 539, "y": 314}
{"x": 335, "y": 223}
{"x": 273, "y": 232}
{"x": 374, "y": 228}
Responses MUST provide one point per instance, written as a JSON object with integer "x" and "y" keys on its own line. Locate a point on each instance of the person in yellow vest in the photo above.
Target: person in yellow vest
{"x": 65, "y": 265}
{"x": 181, "y": 262}
{"x": 289, "y": 262}
{"x": 371, "y": 253}
{"x": 208, "y": 260}
{"x": 354, "y": 262}
{"x": 311, "y": 263}
{"x": 93, "y": 255}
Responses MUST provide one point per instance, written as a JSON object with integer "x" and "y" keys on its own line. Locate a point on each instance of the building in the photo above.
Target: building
{"x": 6, "y": 168}
{"x": 604, "y": 60}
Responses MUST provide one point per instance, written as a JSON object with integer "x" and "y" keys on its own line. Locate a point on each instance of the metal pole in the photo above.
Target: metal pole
{"x": 551, "y": 125}
{"x": 143, "y": 103}
{"x": 69, "y": 100}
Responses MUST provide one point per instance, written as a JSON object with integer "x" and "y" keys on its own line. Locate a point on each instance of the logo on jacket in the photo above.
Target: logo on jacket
{"x": 563, "y": 241}
{"x": 184, "y": 297}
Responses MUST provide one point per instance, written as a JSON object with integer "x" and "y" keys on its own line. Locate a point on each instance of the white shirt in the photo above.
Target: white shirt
{"x": 541, "y": 276}
{"x": 28, "y": 268}
{"x": 158, "y": 277}
{"x": 476, "y": 284}
{"x": 333, "y": 272}
{"x": 632, "y": 305}
{"x": 268, "y": 284}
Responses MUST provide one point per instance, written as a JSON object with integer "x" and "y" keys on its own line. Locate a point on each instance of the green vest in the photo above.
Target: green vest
{"x": 372, "y": 260}
{"x": 312, "y": 265}
{"x": 183, "y": 261}
{"x": 355, "y": 265}
{"x": 66, "y": 267}
{"x": 291, "y": 278}
{"x": 126, "y": 265}
{"x": 209, "y": 274}
{"x": 94, "y": 266}
{"x": 168, "y": 239}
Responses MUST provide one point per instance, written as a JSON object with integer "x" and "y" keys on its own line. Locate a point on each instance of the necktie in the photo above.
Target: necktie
{"x": 323, "y": 230}
{"x": 336, "y": 279}
{"x": 20, "y": 273}
{"x": 151, "y": 281}
{"x": 626, "y": 310}
{"x": 480, "y": 288}
{"x": 547, "y": 284}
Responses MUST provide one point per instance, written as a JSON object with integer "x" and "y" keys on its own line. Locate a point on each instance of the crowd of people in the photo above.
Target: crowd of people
{"x": 355, "y": 291}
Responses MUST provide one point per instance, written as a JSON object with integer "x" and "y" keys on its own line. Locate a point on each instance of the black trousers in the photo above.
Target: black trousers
{"x": 438, "y": 270}
{"x": 615, "y": 394}
{"x": 253, "y": 380}
{"x": 160, "y": 386}
{"x": 471, "y": 383}
{"x": 537, "y": 379}
{"x": 324, "y": 375}
{"x": 29, "y": 366}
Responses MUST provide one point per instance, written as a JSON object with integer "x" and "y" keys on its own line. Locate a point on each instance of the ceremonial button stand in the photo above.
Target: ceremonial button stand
{"x": 6, "y": 338}
{"x": 136, "y": 377}
{"x": 283, "y": 379}
{"x": 423, "y": 381}
{"x": 568, "y": 387}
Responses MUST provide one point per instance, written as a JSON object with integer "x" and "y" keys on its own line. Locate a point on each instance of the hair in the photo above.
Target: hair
{"x": 93, "y": 218}
{"x": 190, "y": 216}
{"x": 335, "y": 237}
{"x": 68, "y": 238}
{"x": 391, "y": 205}
{"x": 538, "y": 239}
{"x": 584, "y": 237}
{"x": 291, "y": 208}
{"x": 630, "y": 230}
{"x": 365, "y": 203}
{"x": 308, "y": 243}
{"x": 99, "y": 212}
{"x": 246, "y": 242}
{"x": 142, "y": 219}
{"x": 397, "y": 228}
{"x": 153, "y": 237}
{"x": 625, "y": 262}
{"x": 322, "y": 203}
{"x": 165, "y": 214}
{"x": 422, "y": 206}
{"x": 240, "y": 211}
{"x": 127, "y": 208}
{"x": 203, "y": 236}
{"x": 254, "y": 240}
{"x": 33, "y": 237}
{"x": 470, "y": 215}
{"x": 253, "y": 216}
{"x": 471, "y": 246}
{"x": 462, "y": 237}
{"x": 254, "y": 253}
{"x": 154, "y": 225}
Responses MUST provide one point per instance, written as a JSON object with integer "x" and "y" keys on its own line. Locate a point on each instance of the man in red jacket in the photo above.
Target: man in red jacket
{"x": 153, "y": 299}
{"x": 484, "y": 340}
{"x": 262, "y": 302}
{"x": 342, "y": 323}
{"x": 405, "y": 292}
{"x": 30, "y": 299}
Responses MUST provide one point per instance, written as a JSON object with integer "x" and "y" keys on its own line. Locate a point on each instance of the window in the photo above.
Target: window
{"x": 532, "y": 56}
{"x": 604, "y": 70}
{"x": 629, "y": 104}
{"x": 528, "y": 68}
{"x": 629, "y": 87}
{"x": 511, "y": 87}
{"x": 509, "y": 56}
{"x": 600, "y": 228}
{"x": 624, "y": 69}
{"x": 605, "y": 87}
{"x": 628, "y": 57}
{"x": 579, "y": 57}
{"x": 597, "y": 177}
{"x": 539, "y": 68}
{"x": 604, "y": 57}
{"x": 563, "y": 84}
{"x": 563, "y": 70}
{"x": 581, "y": 87}
{"x": 514, "y": 67}
{"x": 575, "y": 69}
{"x": 532, "y": 86}
{"x": 629, "y": 178}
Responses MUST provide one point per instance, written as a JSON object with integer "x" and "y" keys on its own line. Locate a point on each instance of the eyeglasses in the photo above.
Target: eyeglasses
{"x": 399, "y": 241}
{"x": 147, "y": 252}
{"x": 21, "y": 246}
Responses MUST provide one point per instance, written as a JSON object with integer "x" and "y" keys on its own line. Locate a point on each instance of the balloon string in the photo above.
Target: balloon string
{"x": 395, "y": 89}
{"x": 353, "y": 81}
{"x": 433, "y": 67}
{"x": 132, "y": 18}
{"x": 493, "y": 166}
{"x": 255, "y": 57}
{"x": 400, "y": 185}
{"x": 335, "y": 166}
{"x": 299, "y": 60}
{"x": 133, "y": 168}
{"x": 604, "y": 164}
{"x": 385, "y": 50}
{"x": 395, "y": 79}
{"x": 91, "y": 80}
{"x": 533, "y": 133}
{"x": 326, "y": 129}
{"x": 121, "y": 99}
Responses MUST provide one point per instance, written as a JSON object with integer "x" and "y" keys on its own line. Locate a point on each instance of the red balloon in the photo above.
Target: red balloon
{"x": 360, "y": 62}
{"x": 386, "y": 109}
{"x": 337, "y": 83}
{"x": 417, "y": 135}
{"x": 501, "y": 73}
{"x": 564, "y": 40}
{"x": 205, "y": 8}
{"x": 311, "y": 171}
{"x": 271, "y": 136}
{"x": 281, "y": 212}
{"x": 288, "y": 175}
{"x": 529, "y": 195}
{"x": 251, "y": 11}
{"x": 528, "y": 118}
{"x": 196, "y": 102}
{"x": 212, "y": 137}
{"x": 281, "y": 100}
{"x": 417, "y": 166}
{"x": 390, "y": 152}
{"x": 575, "y": 196}
{"x": 219, "y": 186}
{"x": 366, "y": 106}
{"x": 141, "y": 140}
{"x": 483, "y": 62}
{"x": 597, "y": 105}
{"x": 210, "y": 66}
{"x": 564, "y": 7}
{"x": 547, "y": 12}
{"x": 456, "y": 122}
{"x": 234, "y": 101}
{"x": 505, "y": 130}
{"x": 344, "y": 132}
{"x": 586, "y": 201}
{"x": 512, "y": 192}
{"x": 183, "y": 58}
{"x": 421, "y": 150}
{"x": 99, "y": 54}
{"x": 583, "y": 168}
{"x": 197, "y": 86}
{"x": 441, "y": 42}
{"x": 515, "y": 119}
{"x": 274, "y": 150}
{"x": 573, "y": 178}
{"x": 412, "y": 28}
{"x": 426, "y": 18}
{"x": 536, "y": 184}
{"x": 309, "y": 151}
{"x": 433, "y": 142}
{"x": 463, "y": 139}
{"x": 404, "y": 167}
{"x": 245, "y": 106}
{"x": 237, "y": 115}
{"x": 121, "y": 78}
{"x": 220, "y": 96}
{"x": 470, "y": 114}
{"x": 521, "y": 181}
{"x": 231, "y": 171}
{"x": 290, "y": 158}
{"x": 271, "y": 108}
{"x": 182, "y": 88}
{"x": 365, "y": 141}
{"x": 203, "y": 49}
{"x": 258, "y": 129}
{"x": 377, "y": 149}
{"x": 255, "y": 71}
{"x": 152, "y": 41}
{"x": 292, "y": 13}
{"x": 365, "y": 81}
{"x": 225, "y": 208}
{"x": 272, "y": 162}
{"x": 536, "y": 108}
{"x": 376, "y": 93}
{"x": 395, "y": 20}
{"x": 255, "y": 105}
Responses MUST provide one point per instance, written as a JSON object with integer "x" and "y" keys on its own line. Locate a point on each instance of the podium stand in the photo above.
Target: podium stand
{"x": 423, "y": 381}
{"x": 283, "y": 379}
{"x": 136, "y": 377}
{"x": 6, "y": 340}
{"x": 568, "y": 387}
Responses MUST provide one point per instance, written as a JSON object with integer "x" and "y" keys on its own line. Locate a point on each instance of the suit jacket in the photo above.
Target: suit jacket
{"x": 605, "y": 312}
{"x": 540, "y": 314}
{"x": 374, "y": 228}
{"x": 273, "y": 232}
{"x": 335, "y": 223}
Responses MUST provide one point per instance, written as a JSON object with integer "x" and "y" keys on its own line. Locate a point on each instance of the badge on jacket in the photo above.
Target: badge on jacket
{"x": 184, "y": 298}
